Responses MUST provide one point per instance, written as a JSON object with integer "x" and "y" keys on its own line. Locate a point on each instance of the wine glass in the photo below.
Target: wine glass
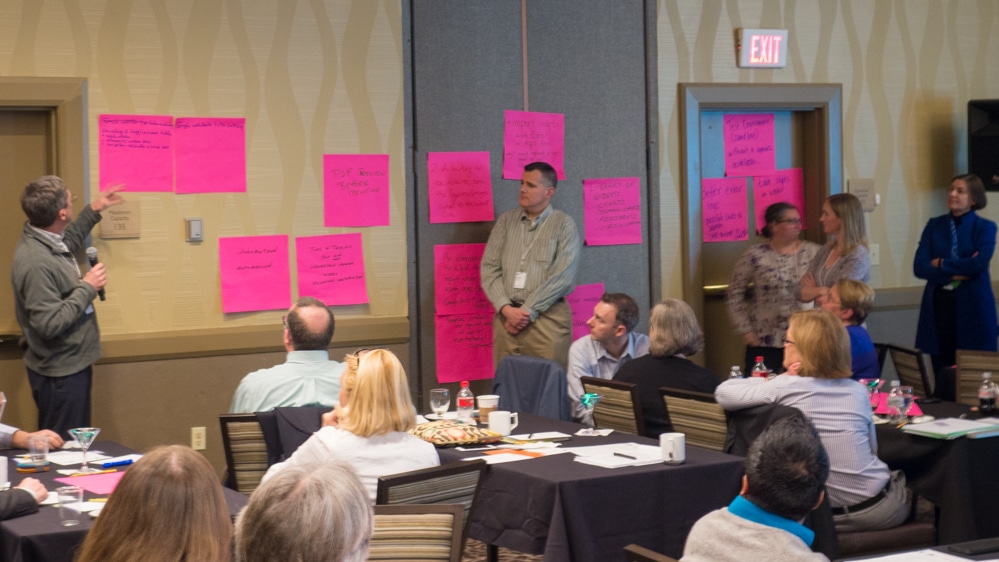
{"x": 589, "y": 401}
{"x": 85, "y": 436}
{"x": 908, "y": 399}
{"x": 440, "y": 401}
{"x": 873, "y": 388}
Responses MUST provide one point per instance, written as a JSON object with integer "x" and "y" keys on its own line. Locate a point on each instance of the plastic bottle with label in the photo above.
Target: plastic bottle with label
{"x": 894, "y": 401}
{"x": 987, "y": 395}
{"x": 760, "y": 368}
{"x": 736, "y": 373}
{"x": 466, "y": 403}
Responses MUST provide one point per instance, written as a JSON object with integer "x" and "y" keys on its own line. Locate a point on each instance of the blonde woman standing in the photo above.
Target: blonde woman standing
{"x": 844, "y": 256}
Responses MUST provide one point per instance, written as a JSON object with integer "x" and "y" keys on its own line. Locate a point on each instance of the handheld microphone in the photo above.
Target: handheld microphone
{"x": 92, "y": 258}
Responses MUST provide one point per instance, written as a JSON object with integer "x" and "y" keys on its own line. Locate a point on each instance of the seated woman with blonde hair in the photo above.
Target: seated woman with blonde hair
{"x": 372, "y": 422}
{"x": 168, "y": 507}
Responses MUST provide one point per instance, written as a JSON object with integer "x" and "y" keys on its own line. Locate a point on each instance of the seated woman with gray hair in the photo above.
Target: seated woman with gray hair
{"x": 674, "y": 335}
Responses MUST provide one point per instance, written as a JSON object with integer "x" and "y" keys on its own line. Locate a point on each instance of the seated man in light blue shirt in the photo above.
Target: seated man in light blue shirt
{"x": 307, "y": 377}
{"x": 610, "y": 344}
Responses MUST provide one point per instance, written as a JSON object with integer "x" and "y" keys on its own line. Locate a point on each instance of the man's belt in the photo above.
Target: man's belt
{"x": 516, "y": 304}
{"x": 864, "y": 504}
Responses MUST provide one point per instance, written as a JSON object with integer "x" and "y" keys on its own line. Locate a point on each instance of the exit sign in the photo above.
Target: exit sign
{"x": 762, "y": 48}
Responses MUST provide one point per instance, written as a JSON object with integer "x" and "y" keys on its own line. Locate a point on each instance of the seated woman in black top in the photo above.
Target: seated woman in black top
{"x": 673, "y": 335}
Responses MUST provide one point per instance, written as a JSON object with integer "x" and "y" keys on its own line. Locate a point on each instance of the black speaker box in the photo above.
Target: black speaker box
{"x": 983, "y": 141}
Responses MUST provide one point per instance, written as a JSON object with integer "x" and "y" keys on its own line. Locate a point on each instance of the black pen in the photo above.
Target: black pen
{"x": 529, "y": 435}
{"x": 625, "y": 456}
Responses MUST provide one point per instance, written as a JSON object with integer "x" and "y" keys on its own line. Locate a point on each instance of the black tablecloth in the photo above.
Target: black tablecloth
{"x": 40, "y": 537}
{"x": 573, "y": 511}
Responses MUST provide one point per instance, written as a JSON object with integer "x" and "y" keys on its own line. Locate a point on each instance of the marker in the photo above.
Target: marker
{"x": 89, "y": 473}
{"x": 124, "y": 462}
{"x": 625, "y": 456}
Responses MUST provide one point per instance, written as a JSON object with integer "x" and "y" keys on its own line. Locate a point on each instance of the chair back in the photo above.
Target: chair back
{"x": 416, "y": 532}
{"x": 911, "y": 368}
{"x": 245, "y": 451}
{"x": 635, "y": 553}
{"x": 532, "y": 385}
{"x": 620, "y": 408}
{"x": 698, "y": 416}
{"x": 970, "y": 366}
{"x": 745, "y": 425}
{"x": 882, "y": 351}
{"x": 453, "y": 483}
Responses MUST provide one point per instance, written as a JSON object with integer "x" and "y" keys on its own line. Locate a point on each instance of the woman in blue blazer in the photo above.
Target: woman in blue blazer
{"x": 958, "y": 309}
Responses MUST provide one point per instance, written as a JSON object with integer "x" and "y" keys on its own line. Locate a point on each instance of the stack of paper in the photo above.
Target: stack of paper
{"x": 952, "y": 428}
{"x": 618, "y": 455}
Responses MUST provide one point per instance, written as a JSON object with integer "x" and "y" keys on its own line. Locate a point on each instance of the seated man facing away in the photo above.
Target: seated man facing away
{"x": 23, "y": 499}
{"x": 852, "y": 301}
{"x": 610, "y": 344}
{"x": 786, "y": 471}
{"x": 307, "y": 377}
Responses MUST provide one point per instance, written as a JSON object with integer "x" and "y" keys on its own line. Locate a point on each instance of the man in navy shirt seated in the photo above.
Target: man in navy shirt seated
{"x": 851, "y": 301}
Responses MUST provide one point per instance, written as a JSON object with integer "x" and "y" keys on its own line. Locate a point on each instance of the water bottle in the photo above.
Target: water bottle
{"x": 760, "y": 368}
{"x": 894, "y": 402}
{"x": 735, "y": 373}
{"x": 466, "y": 403}
{"x": 987, "y": 395}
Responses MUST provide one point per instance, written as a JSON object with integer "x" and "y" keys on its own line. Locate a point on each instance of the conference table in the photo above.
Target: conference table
{"x": 40, "y": 537}
{"x": 570, "y": 511}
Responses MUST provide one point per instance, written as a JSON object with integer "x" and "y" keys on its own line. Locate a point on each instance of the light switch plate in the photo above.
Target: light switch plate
{"x": 195, "y": 232}
{"x": 875, "y": 251}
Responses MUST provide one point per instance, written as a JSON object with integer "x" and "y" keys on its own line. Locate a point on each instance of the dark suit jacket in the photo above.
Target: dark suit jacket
{"x": 650, "y": 373}
{"x": 15, "y": 503}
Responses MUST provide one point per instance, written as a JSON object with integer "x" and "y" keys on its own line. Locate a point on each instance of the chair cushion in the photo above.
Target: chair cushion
{"x": 915, "y": 534}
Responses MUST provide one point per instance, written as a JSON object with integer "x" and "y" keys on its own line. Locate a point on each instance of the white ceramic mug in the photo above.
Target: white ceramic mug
{"x": 503, "y": 422}
{"x": 487, "y": 405}
{"x": 674, "y": 447}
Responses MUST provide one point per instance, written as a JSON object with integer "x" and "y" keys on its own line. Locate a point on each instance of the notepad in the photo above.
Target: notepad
{"x": 952, "y": 428}
{"x": 618, "y": 455}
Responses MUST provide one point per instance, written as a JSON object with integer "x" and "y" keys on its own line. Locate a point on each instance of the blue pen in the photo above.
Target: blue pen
{"x": 124, "y": 462}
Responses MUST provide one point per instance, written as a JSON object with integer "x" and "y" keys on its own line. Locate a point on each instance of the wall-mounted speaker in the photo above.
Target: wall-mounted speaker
{"x": 983, "y": 141}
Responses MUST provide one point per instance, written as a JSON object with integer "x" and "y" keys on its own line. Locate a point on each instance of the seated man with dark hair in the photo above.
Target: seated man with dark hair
{"x": 786, "y": 471}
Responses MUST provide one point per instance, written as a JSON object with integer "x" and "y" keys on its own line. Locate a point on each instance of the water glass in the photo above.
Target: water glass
{"x": 440, "y": 401}
{"x": 70, "y": 505}
{"x": 908, "y": 399}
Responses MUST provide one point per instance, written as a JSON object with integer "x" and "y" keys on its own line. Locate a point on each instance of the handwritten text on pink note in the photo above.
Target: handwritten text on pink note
{"x": 100, "y": 484}
{"x": 331, "y": 268}
{"x": 782, "y": 186}
{"x": 356, "y": 189}
{"x": 529, "y": 136}
{"x": 464, "y": 347}
{"x": 723, "y": 202}
{"x": 255, "y": 273}
{"x": 457, "y": 284}
{"x": 612, "y": 208}
{"x": 137, "y": 151}
{"x": 210, "y": 155}
{"x": 461, "y": 189}
{"x": 581, "y": 301}
{"x": 749, "y": 144}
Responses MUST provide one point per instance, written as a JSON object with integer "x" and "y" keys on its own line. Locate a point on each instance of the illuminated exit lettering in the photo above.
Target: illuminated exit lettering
{"x": 765, "y": 49}
{"x": 762, "y": 48}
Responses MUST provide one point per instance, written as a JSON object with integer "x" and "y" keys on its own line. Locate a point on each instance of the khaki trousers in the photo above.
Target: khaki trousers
{"x": 548, "y": 337}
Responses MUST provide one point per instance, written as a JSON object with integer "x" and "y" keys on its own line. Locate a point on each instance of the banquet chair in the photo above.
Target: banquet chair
{"x": 245, "y": 451}
{"x": 452, "y": 483}
{"x": 970, "y": 366}
{"x": 416, "y": 532}
{"x": 911, "y": 368}
{"x": 918, "y": 531}
{"x": 635, "y": 553}
{"x": 882, "y": 351}
{"x": 698, "y": 416}
{"x": 619, "y": 409}
{"x": 532, "y": 385}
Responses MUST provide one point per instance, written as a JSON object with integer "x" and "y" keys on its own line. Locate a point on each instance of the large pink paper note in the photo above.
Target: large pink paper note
{"x": 581, "y": 301}
{"x": 136, "y": 151}
{"x": 726, "y": 217}
{"x": 210, "y": 155}
{"x": 781, "y": 186}
{"x": 331, "y": 268}
{"x": 255, "y": 273}
{"x": 460, "y": 187}
{"x": 356, "y": 189}
{"x": 612, "y": 209}
{"x": 100, "y": 484}
{"x": 529, "y": 136}
{"x": 457, "y": 284}
{"x": 750, "y": 148}
{"x": 464, "y": 347}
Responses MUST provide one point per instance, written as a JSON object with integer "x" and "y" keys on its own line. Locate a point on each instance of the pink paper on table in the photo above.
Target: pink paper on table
{"x": 750, "y": 148}
{"x": 529, "y": 136}
{"x": 255, "y": 273}
{"x": 460, "y": 187}
{"x": 581, "y": 301}
{"x": 783, "y": 185}
{"x": 726, "y": 217}
{"x": 464, "y": 347}
{"x": 612, "y": 210}
{"x": 331, "y": 268}
{"x": 457, "y": 284}
{"x": 100, "y": 484}
{"x": 356, "y": 189}
{"x": 136, "y": 151}
{"x": 882, "y": 409}
{"x": 210, "y": 155}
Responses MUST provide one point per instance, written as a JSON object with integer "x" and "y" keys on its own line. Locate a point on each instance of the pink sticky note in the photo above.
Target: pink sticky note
{"x": 581, "y": 301}
{"x": 255, "y": 273}
{"x": 136, "y": 151}
{"x": 457, "y": 284}
{"x": 726, "y": 217}
{"x": 331, "y": 268}
{"x": 210, "y": 155}
{"x": 460, "y": 187}
{"x": 464, "y": 347}
{"x": 356, "y": 189}
{"x": 782, "y": 186}
{"x": 612, "y": 209}
{"x": 100, "y": 484}
{"x": 529, "y": 136}
{"x": 750, "y": 148}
